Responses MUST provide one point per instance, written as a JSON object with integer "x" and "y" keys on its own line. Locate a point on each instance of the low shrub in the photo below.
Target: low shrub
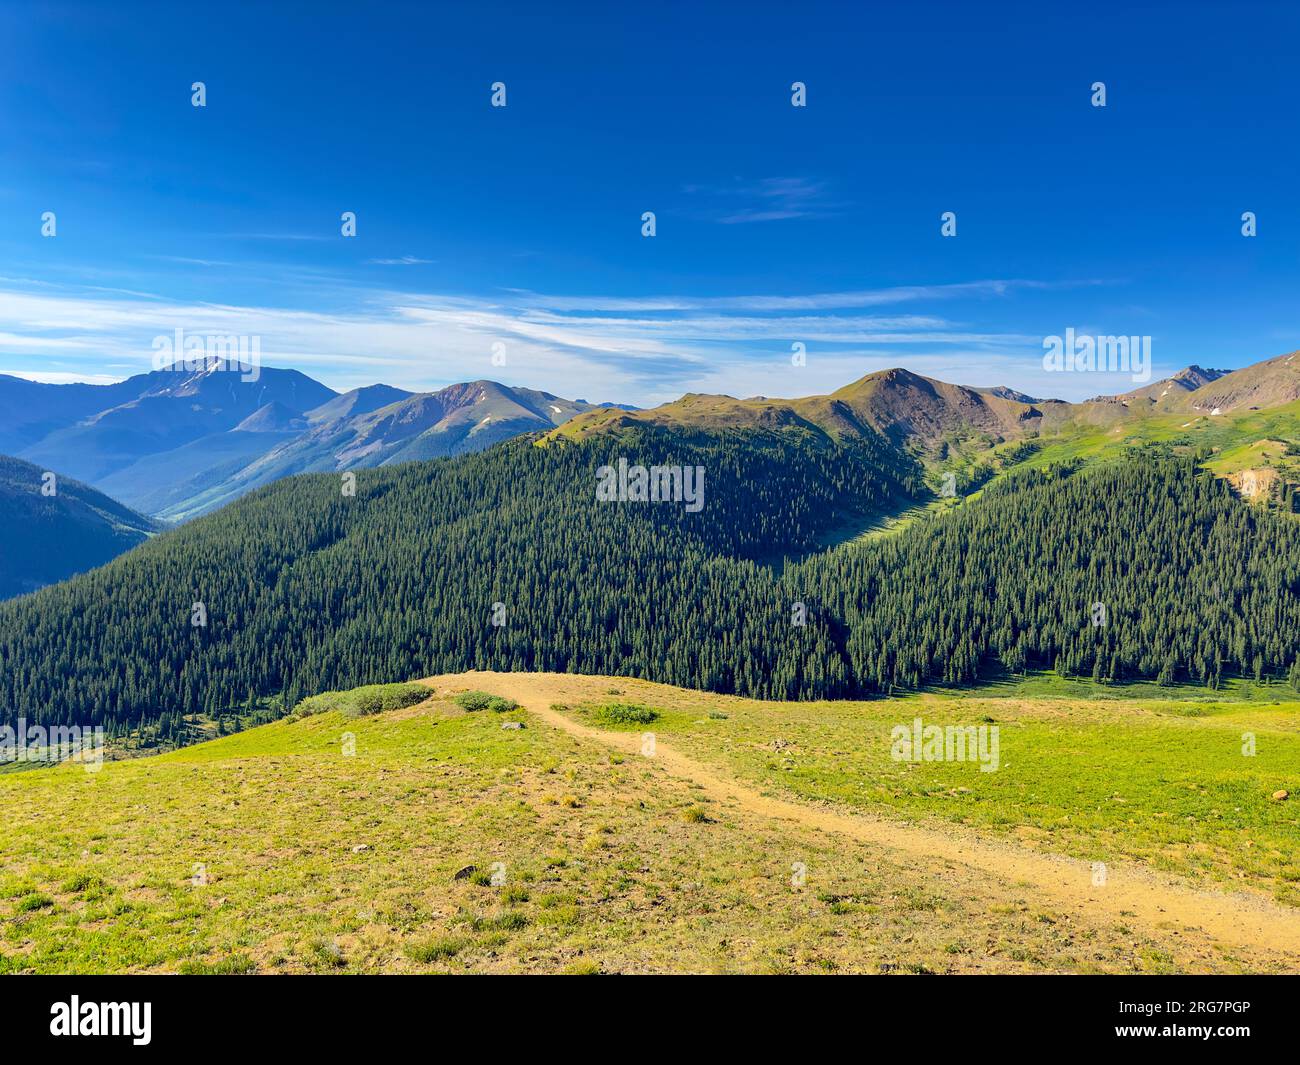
{"x": 361, "y": 702}
{"x": 473, "y": 701}
{"x": 626, "y": 714}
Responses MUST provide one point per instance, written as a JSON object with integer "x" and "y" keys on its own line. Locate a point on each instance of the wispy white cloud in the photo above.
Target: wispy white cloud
{"x": 766, "y": 200}
{"x": 642, "y": 349}
{"x": 54, "y": 377}
{"x": 186, "y": 260}
{"x": 837, "y": 329}
{"x": 28, "y": 342}
{"x": 405, "y": 260}
{"x": 872, "y": 297}
{"x": 271, "y": 236}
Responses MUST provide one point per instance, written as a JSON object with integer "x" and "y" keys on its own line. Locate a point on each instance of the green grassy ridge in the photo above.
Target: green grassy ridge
{"x": 48, "y": 538}
{"x": 343, "y": 594}
{"x": 1223, "y": 435}
{"x": 260, "y": 834}
{"x": 609, "y": 867}
{"x": 1161, "y": 781}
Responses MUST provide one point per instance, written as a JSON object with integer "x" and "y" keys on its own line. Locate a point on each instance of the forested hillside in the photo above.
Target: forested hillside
{"x": 305, "y": 589}
{"x": 1145, "y": 568}
{"x": 55, "y": 527}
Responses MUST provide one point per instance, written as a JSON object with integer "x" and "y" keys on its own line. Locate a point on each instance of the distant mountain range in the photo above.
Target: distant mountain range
{"x": 176, "y": 443}
{"x": 923, "y": 414}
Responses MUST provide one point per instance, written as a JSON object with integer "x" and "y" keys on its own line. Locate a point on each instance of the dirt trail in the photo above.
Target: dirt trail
{"x": 1131, "y": 892}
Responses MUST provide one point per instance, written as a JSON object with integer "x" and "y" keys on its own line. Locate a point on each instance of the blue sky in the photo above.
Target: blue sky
{"x": 522, "y": 225}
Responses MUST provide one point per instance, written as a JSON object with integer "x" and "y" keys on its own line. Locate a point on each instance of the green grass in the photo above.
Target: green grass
{"x": 443, "y": 948}
{"x": 235, "y": 965}
{"x": 1231, "y": 440}
{"x": 1147, "y": 774}
{"x": 331, "y": 844}
{"x": 1039, "y": 684}
{"x": 273, "y": 815}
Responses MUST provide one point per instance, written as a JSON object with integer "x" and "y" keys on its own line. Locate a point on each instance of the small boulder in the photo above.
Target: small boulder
{"x": 512, "y": 724}
{"x": 360, "y": 847}
{"x": 1281, "y": 796}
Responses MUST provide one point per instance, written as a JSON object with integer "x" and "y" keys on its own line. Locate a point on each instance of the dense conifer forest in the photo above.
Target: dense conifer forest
{"x": 506, "y": 560}
{"x": 1146, "y": 568}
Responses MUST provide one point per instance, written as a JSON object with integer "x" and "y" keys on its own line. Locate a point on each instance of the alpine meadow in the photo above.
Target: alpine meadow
{"x": 910, "y": 584}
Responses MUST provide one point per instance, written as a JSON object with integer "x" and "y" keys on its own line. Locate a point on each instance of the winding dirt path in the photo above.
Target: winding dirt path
{"x": 1130, "y": 893}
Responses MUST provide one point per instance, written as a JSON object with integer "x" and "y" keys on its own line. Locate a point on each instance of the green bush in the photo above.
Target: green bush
{"x": 626, "y": 714}
{"x": 368, "y": 703}
{"x": 473, "y": 701}
{"x": 476, "y": 700}
{"x": 360, "y": 702}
